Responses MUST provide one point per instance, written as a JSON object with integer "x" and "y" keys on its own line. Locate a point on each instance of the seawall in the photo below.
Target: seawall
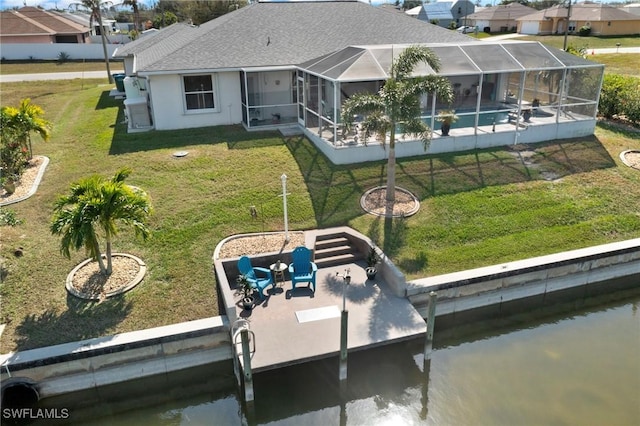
{"x": 494, "y": 290}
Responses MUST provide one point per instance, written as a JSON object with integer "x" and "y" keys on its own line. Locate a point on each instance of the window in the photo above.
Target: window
{"x": 198, "y": 92}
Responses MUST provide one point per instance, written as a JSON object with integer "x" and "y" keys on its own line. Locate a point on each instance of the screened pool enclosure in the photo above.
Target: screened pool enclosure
{"x": 502, "y": 91}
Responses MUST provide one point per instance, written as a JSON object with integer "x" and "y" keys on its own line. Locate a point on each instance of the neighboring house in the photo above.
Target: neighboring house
{"x": 414, "y": 11}
{"x": 292, "y": 65}
{"x": 33, "y": 25}
{"x": 110, "y": 26}
{"x": 443, "y": 12}
{"x": 633, "y": 8}
{"x": 604, "y": 20}
{"x": 501, "y": 18}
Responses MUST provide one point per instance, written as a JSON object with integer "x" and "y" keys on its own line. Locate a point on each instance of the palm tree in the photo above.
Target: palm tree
{"x": 397, "y": 106}
{"x": 97, "y": 205}
{"x": 95, "y": 6}
{"x": 136, "y": 12}
{"x": 23, "y": 121}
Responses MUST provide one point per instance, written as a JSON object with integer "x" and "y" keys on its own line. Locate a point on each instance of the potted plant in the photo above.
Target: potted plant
{"x": 245, "y": 289}
{"x": 372, "y": 263}
{"x": 446, "y": 117}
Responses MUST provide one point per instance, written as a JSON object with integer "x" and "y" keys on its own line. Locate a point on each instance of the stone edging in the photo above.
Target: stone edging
{"x": 216, "y": 251}
{"x": 623, "y": 155}
{"x": 136, "y": 280}
{"x": 413, "y": 211}
{"x": 35, "y": 185}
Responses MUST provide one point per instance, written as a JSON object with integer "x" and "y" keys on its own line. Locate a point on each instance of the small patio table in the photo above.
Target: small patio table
{"x": 278, "y": 269}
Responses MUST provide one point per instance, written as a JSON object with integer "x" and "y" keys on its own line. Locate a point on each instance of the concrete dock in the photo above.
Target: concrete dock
{"x": 296, "y": 326}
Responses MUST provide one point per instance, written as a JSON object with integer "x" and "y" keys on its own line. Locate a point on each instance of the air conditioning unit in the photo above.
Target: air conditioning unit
{"x": 138, "y": 117}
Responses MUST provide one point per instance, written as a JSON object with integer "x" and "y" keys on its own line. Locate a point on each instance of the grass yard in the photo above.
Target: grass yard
{"x": 476, "y": 209}
{"x": 591, "y": 42}
{"x": 619, "y": 63}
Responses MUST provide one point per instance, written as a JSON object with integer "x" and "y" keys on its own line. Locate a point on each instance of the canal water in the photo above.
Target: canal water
{"x": 576, "y": 367}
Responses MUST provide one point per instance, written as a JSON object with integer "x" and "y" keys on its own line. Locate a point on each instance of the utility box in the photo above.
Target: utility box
{"x": 138, "y": 117}
{"x": 133, "y": 88}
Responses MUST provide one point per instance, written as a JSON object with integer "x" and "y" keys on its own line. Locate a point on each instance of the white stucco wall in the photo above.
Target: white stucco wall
{"x": 350, "y": 154}
{"x": 51, "y": 51}
{"x": 167, "y": 103}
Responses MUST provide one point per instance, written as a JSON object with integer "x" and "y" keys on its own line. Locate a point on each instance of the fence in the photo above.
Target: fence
{"x": 51, "y": 51}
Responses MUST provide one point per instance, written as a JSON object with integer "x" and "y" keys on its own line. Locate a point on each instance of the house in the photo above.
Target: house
{"x": 603, "y": 19}
{"x": 501, "y": 18}
{"x": 291, "y": 65}
{"x": 33, "y": 25}
{"x": 631, "y": 8}
{"x": 443, "y": 13}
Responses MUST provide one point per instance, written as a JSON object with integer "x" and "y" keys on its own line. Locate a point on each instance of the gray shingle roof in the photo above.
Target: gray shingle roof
{"x": 503, "y": 12}
{"x": 583, "y": 12}
{"x": 279, "y": 34}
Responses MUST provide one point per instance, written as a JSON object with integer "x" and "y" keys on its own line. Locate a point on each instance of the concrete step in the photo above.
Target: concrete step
{"x": 333, "y": 251}
{"x": 332, "y": 242}
{"x": 338, "y": 260}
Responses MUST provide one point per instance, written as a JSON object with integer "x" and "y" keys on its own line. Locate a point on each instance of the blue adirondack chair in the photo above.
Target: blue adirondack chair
{"x": 254, "y": 275}
{"x": 302, "y": 269}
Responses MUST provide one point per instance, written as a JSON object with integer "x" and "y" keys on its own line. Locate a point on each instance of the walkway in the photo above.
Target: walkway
{"x": 299, "y": 326}
{"x": 589, "y": 51}
{"x": 10, "y": 78}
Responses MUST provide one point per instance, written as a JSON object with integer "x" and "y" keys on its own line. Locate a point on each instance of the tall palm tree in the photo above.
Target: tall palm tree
{"x": 95, "y": 6}
{"x": 396, "y": 107}
{"x": 23, "y": 121}
{"x": 96, "y": 205}
{"x": 136, "y": 12}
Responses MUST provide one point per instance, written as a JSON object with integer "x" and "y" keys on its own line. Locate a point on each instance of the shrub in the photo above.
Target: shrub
{"x": 8, "y": 218}
{"x": 13, "y": 155}
{"x": 584, "y": 31}
{"x": 620, "y": 96}
{"x": 578, "y": 51}
{"x": 63, "y": 57}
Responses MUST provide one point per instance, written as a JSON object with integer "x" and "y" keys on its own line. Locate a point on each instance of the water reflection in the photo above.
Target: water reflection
{"x": 577, "y": 368}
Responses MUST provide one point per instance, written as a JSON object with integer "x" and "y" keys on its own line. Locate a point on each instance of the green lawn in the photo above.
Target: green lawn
{"x": 592, "y": 42}
{"x": 476, "y": 209}
{"x": 619, "y": 63}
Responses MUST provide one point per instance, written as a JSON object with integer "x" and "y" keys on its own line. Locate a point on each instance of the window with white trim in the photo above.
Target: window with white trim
{"x": 198, "y": 92}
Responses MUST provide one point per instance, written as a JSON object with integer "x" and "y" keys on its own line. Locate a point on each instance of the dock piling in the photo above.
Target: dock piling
{"x": 431, "y": 318}
{"x": 344, "y": 320}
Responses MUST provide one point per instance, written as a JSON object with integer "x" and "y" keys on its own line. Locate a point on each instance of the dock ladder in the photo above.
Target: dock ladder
{"x": 244, "y": 346}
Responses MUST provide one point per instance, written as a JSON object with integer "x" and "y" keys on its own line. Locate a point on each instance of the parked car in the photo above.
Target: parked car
{"x": 465, "y": 29}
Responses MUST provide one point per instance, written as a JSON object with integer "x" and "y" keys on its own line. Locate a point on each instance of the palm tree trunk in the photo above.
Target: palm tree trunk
{"x": 104, "y": 46}
{"x": 391, "y": 174}
{"x": 30, "y": 148}
{"x": 109, "y": 265}
{"x": 96, "y": 246}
